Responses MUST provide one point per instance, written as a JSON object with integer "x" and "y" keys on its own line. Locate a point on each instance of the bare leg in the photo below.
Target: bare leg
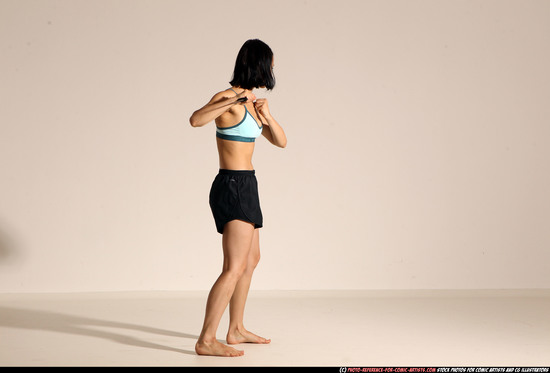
{"x": 237, "y": 332}
{"x": 236, "y": 242}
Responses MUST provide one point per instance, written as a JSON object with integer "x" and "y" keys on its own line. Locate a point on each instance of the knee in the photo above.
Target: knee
{"x": 256, "y": 259}
{"x": 253, "y": 262}
{"x": 236, "y": 271}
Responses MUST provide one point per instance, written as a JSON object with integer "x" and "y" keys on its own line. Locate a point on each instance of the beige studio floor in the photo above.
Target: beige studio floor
{"x": 320, "y": 328}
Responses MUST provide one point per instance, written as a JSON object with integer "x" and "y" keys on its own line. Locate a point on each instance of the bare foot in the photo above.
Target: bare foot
{"x": 216, "y": 348}
{"x": 244, "y": 336}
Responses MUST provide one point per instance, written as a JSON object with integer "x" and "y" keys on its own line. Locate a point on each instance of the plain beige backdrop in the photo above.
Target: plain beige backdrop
{"x": 417, "y": 152}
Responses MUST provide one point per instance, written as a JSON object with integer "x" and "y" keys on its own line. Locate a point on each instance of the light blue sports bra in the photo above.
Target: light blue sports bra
{"x": 247, "y": 130}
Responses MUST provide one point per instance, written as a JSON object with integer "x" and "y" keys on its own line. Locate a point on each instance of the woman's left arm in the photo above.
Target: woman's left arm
{"x": 272, "y": 130}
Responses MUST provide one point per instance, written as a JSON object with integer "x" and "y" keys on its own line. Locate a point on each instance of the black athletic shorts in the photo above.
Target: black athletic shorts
{"x": 234, "y": 195}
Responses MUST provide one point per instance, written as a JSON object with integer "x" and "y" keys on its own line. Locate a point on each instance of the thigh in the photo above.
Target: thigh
{"x": 254, "y": 253}
{"x": 237, "y": 241}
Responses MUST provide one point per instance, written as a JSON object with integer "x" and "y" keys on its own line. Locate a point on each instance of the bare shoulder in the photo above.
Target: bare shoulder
{"x": 232, "y": 113}
{"x": 228, "y": 93}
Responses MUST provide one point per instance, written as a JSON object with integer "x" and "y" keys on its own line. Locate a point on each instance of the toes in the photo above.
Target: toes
{"x": 238, "y": 353}
{"x": 246, "y": 337}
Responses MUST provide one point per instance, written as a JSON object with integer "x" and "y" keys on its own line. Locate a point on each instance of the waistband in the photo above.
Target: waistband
{"x": 224, "y": 171}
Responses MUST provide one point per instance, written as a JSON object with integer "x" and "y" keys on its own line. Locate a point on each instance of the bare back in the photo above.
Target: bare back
{"x": 235, "y": 155}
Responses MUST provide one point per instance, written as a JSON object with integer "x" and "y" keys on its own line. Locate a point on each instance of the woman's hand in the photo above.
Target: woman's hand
{"x": 272, "y": 131}
{"x": 262, "y": 107}
{"x": 249, "y": 95}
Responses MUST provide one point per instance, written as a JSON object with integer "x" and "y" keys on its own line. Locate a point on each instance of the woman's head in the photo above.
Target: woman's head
{"x": 254, "y": 66}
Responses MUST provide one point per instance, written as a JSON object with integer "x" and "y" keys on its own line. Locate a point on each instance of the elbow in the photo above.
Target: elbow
{"x": 194, "y": 121}
{"x": 282, "y": 145}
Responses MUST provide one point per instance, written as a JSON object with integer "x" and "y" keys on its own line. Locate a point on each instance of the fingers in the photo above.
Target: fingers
{"x": 260, "y": 102}
{"x": 245, "y": 96}
{"x": 261, "y": 105}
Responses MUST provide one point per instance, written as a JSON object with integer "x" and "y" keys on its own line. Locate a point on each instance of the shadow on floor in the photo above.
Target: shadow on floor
{"x": 58, "y": 322}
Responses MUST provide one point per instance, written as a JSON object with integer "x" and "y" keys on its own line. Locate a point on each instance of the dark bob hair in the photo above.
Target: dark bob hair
{"x": 253, "y": 66}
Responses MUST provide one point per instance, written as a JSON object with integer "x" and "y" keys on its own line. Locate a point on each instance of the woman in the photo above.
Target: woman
{"x": 240, "y": 118}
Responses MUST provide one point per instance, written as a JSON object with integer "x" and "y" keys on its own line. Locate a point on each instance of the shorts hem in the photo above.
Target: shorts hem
{"x": 256, "y": 225}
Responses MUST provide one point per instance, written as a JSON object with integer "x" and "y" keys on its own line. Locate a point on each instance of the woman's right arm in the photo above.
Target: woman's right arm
{"x": 219, "y": 104}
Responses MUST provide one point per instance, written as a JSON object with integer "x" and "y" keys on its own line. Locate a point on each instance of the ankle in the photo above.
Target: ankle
{"x": 206, "y": 339}
{"x": 236, "y": 328}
